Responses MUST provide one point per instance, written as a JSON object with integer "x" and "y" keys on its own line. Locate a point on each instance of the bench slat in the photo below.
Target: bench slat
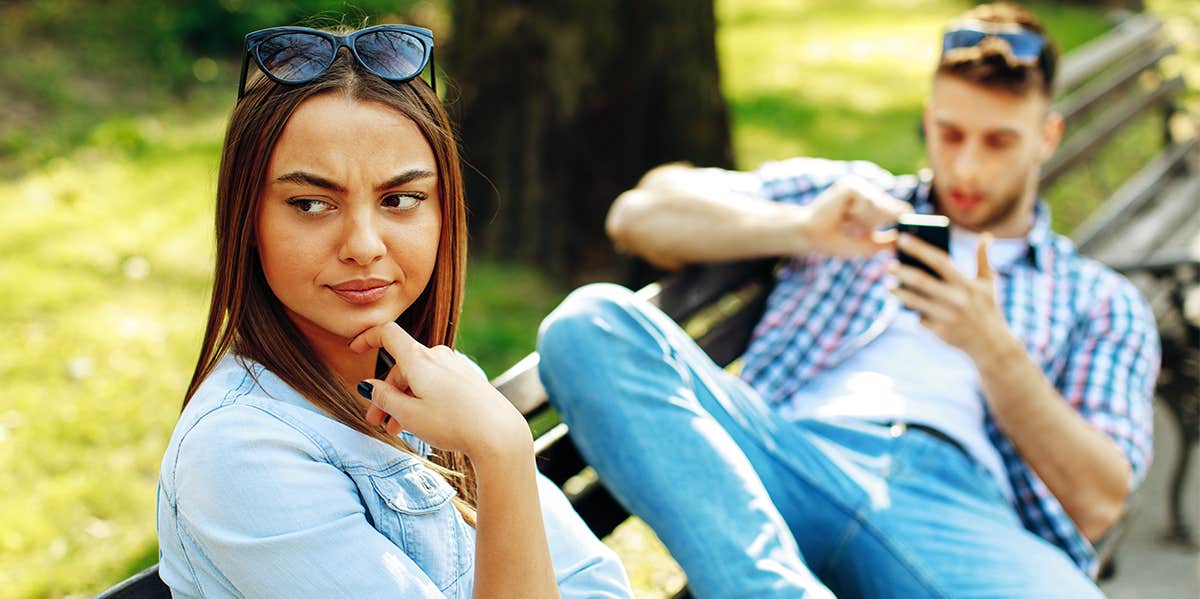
{"x": 1085, "y": 61}
{"x": 521, "y": 385}
{"x": 1088, "y": 141}
{"x": 1144, "y": 235}
{"x": 727, "y": 340}
{"x": 143, "y": 585}
{"x": 1130, "y": 197}
{"x": 684, "y": 293}
{"x": 1087, "y": 98}
{"x": 560, "y": 460}
{"x": 599, "y": 509}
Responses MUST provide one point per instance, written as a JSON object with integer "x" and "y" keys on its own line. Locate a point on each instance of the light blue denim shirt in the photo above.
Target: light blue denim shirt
{"x": 263, "y": 495}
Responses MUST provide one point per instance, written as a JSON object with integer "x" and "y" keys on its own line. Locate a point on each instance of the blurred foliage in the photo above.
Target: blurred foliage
{"x": 63, "y": 62}
{"x": 808, "y": 79}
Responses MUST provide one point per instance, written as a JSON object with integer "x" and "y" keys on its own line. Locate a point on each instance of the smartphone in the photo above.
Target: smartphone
{"x": 933, "y": 229}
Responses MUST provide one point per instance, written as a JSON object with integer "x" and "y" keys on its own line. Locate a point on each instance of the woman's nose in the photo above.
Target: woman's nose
{"x": 361, "y": 243}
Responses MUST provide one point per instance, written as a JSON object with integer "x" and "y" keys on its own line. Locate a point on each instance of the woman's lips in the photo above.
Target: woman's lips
{"x": 361, "y": 295}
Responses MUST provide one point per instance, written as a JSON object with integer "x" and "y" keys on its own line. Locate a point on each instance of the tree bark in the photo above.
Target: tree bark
{"x": 563, "y": 105}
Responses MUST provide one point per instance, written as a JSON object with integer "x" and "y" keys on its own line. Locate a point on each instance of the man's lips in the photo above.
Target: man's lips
{"x": 965, "y": 201}
{"x": 361, "y": 292}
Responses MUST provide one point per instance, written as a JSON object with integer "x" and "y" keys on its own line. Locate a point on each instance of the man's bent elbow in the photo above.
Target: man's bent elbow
{"x": 619, "y": 220}
{"x": 666, "y": 177}
{"x": 626, "y": 228}
{"x": 638, "y": 205}
{"x": 1101, "y": 515}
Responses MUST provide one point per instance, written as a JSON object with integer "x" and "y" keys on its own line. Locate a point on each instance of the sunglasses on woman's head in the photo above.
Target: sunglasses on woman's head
{"x": 1027, "y": 46}
{"x": 295, "y": 55}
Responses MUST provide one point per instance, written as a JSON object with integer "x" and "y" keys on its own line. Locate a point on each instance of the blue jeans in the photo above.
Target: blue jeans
{"x": 752, "y": 505}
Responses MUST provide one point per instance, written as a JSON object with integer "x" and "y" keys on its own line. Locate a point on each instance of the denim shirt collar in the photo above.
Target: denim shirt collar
{"x": 277, "y": 389}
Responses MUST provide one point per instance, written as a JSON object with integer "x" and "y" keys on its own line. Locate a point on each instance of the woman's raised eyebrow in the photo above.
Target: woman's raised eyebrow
{"x": 303, "y": 178}
{"x": 406, "y": 177}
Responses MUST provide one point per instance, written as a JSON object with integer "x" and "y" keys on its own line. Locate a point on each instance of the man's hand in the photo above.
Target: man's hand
{"x": 844, "y": 221}
{"x": 1082, "y": 466}
{"x": 960, "y": 310}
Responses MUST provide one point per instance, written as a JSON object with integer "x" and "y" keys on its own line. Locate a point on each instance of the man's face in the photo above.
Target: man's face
{"x": 985, "y": 147}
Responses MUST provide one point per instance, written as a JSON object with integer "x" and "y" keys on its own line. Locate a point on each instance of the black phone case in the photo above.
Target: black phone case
{"x": 935, "y": 235}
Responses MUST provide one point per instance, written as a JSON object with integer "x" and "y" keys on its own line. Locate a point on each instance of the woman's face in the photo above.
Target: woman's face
{"x": 348, "y": 222}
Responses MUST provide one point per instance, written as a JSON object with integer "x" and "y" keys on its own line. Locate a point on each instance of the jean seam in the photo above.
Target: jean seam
{"x": 902, "y": 555}
{"x": 860, "y": 523}
{"x": 904, "y": 464}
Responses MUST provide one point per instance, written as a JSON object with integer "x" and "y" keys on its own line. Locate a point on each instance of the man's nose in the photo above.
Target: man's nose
{"x": 968, "y": 165}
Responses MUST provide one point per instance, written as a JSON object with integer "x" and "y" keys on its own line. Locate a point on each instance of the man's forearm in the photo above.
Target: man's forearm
{"x": 1082, "y": 466}
{"x": 672, "y": 228}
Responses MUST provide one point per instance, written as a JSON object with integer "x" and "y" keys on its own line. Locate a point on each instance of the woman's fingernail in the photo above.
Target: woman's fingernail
{"x": 365, "y": 389}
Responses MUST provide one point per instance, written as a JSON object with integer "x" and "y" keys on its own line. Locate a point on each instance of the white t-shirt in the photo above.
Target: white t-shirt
{"x": 908, "y": 374}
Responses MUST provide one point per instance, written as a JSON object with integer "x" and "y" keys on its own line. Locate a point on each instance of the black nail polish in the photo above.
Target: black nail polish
{"x": 365, "y": 389}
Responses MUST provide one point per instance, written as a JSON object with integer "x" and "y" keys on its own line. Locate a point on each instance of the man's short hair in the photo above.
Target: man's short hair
{"x": 992, "y": 63}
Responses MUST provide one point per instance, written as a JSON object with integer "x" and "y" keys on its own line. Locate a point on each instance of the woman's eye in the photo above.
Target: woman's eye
{"x": 309, "y": 206}
{"x": 403, "y": 201}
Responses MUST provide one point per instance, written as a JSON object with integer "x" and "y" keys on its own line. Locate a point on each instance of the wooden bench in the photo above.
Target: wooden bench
{"x": 1143, "y": 229}
{"x": 1106, "y": 87}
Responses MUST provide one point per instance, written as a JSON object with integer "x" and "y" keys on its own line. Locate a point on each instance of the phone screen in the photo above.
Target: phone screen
{"x": 933, "y": 229}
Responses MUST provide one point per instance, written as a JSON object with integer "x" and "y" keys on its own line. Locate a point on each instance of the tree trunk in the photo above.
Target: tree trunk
{"x": 563, "y": 105}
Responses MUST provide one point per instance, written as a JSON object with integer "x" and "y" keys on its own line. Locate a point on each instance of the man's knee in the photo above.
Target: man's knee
{"x": 584, "y": 317}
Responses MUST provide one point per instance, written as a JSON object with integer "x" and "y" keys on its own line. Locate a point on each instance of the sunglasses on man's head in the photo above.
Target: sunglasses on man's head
{"x": 1028, "y": 47}
{"x": 295, "y": 55}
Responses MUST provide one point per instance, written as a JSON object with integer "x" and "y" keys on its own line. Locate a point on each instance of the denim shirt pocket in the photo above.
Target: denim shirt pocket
{"x": 415, "y": 511}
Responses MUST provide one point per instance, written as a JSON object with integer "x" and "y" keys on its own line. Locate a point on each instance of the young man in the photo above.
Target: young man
{"x": 893, "y": 433}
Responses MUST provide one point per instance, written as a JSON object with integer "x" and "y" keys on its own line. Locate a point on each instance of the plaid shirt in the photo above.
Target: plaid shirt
{"x": 1085, "y": 326}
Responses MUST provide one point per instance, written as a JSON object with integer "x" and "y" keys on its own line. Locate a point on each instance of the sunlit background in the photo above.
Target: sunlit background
{"x": 109, "y": 140}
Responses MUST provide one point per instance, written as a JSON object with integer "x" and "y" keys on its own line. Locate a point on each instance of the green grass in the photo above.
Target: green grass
{"x": 105, "y": 259}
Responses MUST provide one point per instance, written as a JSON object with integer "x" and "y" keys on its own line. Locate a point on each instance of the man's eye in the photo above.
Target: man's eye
{"x": 309, "y": 206}
{"x": 1000, "y": 143}
{"x": 951, "y": 136}
{"x": 403, "y": 201}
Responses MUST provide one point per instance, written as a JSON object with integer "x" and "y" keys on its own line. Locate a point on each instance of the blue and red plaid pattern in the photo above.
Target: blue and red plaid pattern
{"x": 1088, "y": 328}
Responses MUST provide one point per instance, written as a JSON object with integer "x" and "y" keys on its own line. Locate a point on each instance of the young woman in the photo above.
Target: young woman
{"x": 340, "y": 232}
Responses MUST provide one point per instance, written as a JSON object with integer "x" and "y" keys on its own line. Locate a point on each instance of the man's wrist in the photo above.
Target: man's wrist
{"x": 800, "y": 233}
{"x": 998, "y": 353}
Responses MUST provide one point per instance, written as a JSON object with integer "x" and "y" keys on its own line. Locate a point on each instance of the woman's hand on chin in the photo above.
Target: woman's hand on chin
{"x": 437, "y": 394}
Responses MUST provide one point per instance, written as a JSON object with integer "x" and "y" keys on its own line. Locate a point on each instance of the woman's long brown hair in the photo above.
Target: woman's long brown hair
{"x": 244, "y": 315}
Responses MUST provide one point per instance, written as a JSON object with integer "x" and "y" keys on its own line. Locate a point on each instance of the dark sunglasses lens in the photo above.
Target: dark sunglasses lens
{"x": 391, "y": 54}
{"x": 295, "y": 57}
{"x": 962, "y": 38}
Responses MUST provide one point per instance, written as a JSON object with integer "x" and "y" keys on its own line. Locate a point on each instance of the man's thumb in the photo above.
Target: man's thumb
{"x": 984, "y": 270}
